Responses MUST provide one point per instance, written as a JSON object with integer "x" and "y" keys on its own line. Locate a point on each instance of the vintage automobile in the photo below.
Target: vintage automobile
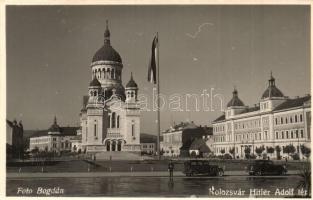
{"x": 265, "y": 167}
{"x": 203, "y": 167}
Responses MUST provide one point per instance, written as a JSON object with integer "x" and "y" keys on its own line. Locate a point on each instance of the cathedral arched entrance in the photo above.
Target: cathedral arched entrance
{"x": 114, "y": 144}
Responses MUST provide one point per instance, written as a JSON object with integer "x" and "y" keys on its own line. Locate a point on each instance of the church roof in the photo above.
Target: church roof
{"x": 235, "y": 101}
{"x": 131, "y": 83}
{"x": 107, "y": 52}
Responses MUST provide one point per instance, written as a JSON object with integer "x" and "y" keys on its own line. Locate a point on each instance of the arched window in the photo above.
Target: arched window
{"x": 103, "y": 71}
{"x": 133, "y": 128}
{"x": 108, "y": 73}
{"x": 296, "y": 118}
{"x": 91, "y": 93}
{"x": 95, "y": 93}
{"x": 109, "y": 121}
{"x": 113, "y": 120}
{"x": 290, "y": 119}
{"x": 95, "y": 129}
{"x": 118, "y": 122}
{"x": 112, "y": 74}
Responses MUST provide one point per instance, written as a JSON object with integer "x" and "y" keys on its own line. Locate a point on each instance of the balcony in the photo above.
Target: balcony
{"x": 114, "y": 133}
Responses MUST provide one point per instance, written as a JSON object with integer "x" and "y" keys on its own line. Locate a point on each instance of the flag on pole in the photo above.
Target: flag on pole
{"x": 152, "y": 73}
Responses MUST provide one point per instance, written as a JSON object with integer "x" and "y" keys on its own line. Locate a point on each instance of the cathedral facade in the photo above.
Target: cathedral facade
{"x": 110, "y": 117}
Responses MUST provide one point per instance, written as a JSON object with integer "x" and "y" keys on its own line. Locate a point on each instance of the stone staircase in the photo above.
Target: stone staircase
{"x": 120, "y": 155}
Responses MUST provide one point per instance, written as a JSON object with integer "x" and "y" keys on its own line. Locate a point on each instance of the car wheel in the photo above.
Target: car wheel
{"x": 220, "y": 172}
{"x": 258, "y": 173}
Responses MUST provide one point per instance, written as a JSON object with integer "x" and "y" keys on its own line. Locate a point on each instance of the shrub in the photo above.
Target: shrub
{"x": 227, "y": 156}
{"x": 295, "y": 156}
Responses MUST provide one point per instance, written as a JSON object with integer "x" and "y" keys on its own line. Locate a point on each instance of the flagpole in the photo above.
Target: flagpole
{"x": 158, "y": 85}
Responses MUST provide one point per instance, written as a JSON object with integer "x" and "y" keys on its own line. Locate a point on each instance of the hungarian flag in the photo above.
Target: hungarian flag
{"x": 152, "y": 72}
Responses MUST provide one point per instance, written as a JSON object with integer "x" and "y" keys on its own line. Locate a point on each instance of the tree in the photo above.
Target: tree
{"x": 232, "y": 151}
{"x": 278, "y": 150}
{"x": 305, "y": 151}
{"x": 290, "y": 149}
{"x": 247, "y": 151}
{"x": 222, "y": 151}
{"x": 270, "y": 150}
{"x": 259, "y": 150}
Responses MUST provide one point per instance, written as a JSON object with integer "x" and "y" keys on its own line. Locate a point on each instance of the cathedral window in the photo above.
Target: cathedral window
{"x": 290, "y": 119}
{"x": 108, "y": 73}
{"x": 113, "y": 120}
{"x": 109, "y": 121}
{"x": 118, "y": 122}
{"x": 296, "y": 118}
{"x": 133, "y": 128}
{"x": 301, "y": 133}
{"x": 95, "y": 93}
{"x": 103, "y": 71}
{"x": 95, "y": 130}
{"x": 112, "y": 74}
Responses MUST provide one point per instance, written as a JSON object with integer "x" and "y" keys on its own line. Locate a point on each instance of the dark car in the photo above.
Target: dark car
{"x": 266, "y": 167}
{"x": 196, "y": 167}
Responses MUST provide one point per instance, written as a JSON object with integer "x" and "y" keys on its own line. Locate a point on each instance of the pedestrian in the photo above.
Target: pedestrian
{"x": 171, "y": 168}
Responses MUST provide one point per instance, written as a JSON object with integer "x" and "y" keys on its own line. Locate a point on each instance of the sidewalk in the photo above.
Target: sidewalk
{"x": 119, "y": 174}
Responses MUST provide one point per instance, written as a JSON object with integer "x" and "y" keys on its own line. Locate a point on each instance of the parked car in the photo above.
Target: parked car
{"x": 266, "y": 167}
{"x": 196, "y": 167}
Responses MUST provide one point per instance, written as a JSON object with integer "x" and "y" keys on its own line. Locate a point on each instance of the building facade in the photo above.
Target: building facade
{"x": 55, "y": 139}
{"x": 110, "y": 117}
{"x": 14, "y": 139}
{"x": 178, "y": 138}
{"x": 274, "y": 123}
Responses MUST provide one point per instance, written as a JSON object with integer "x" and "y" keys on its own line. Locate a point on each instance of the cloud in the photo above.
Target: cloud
{"x": 195, "y": 59}
{"x": 193, "y": 36}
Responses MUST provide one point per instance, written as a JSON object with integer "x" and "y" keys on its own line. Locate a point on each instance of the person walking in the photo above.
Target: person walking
{"x": 171, "y": 168}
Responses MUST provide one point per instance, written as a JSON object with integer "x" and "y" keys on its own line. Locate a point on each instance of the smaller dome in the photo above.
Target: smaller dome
{"x": 272, "y": 90}
{"x": 55, "y": 127}
{"x": 131, "y": 83}
{"x": 95, "y": 82}
{"x": 235, "y": 101}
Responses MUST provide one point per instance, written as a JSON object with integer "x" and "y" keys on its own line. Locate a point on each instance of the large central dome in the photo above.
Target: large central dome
{"x": 107, "y": 52}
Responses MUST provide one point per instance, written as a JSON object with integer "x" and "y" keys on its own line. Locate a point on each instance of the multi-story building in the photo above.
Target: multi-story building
{"x": 276, "y": 120}
{"x": 14, "y": 139}
{"x": 55, "y": 139}
{"x": 178, "y": 138}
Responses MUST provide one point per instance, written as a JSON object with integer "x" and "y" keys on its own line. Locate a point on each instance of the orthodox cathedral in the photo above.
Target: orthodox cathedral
{"x": 110, "y": 117}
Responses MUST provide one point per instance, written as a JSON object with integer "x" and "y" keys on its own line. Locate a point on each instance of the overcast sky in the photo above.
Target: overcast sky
{"x": 49, "y": 51}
